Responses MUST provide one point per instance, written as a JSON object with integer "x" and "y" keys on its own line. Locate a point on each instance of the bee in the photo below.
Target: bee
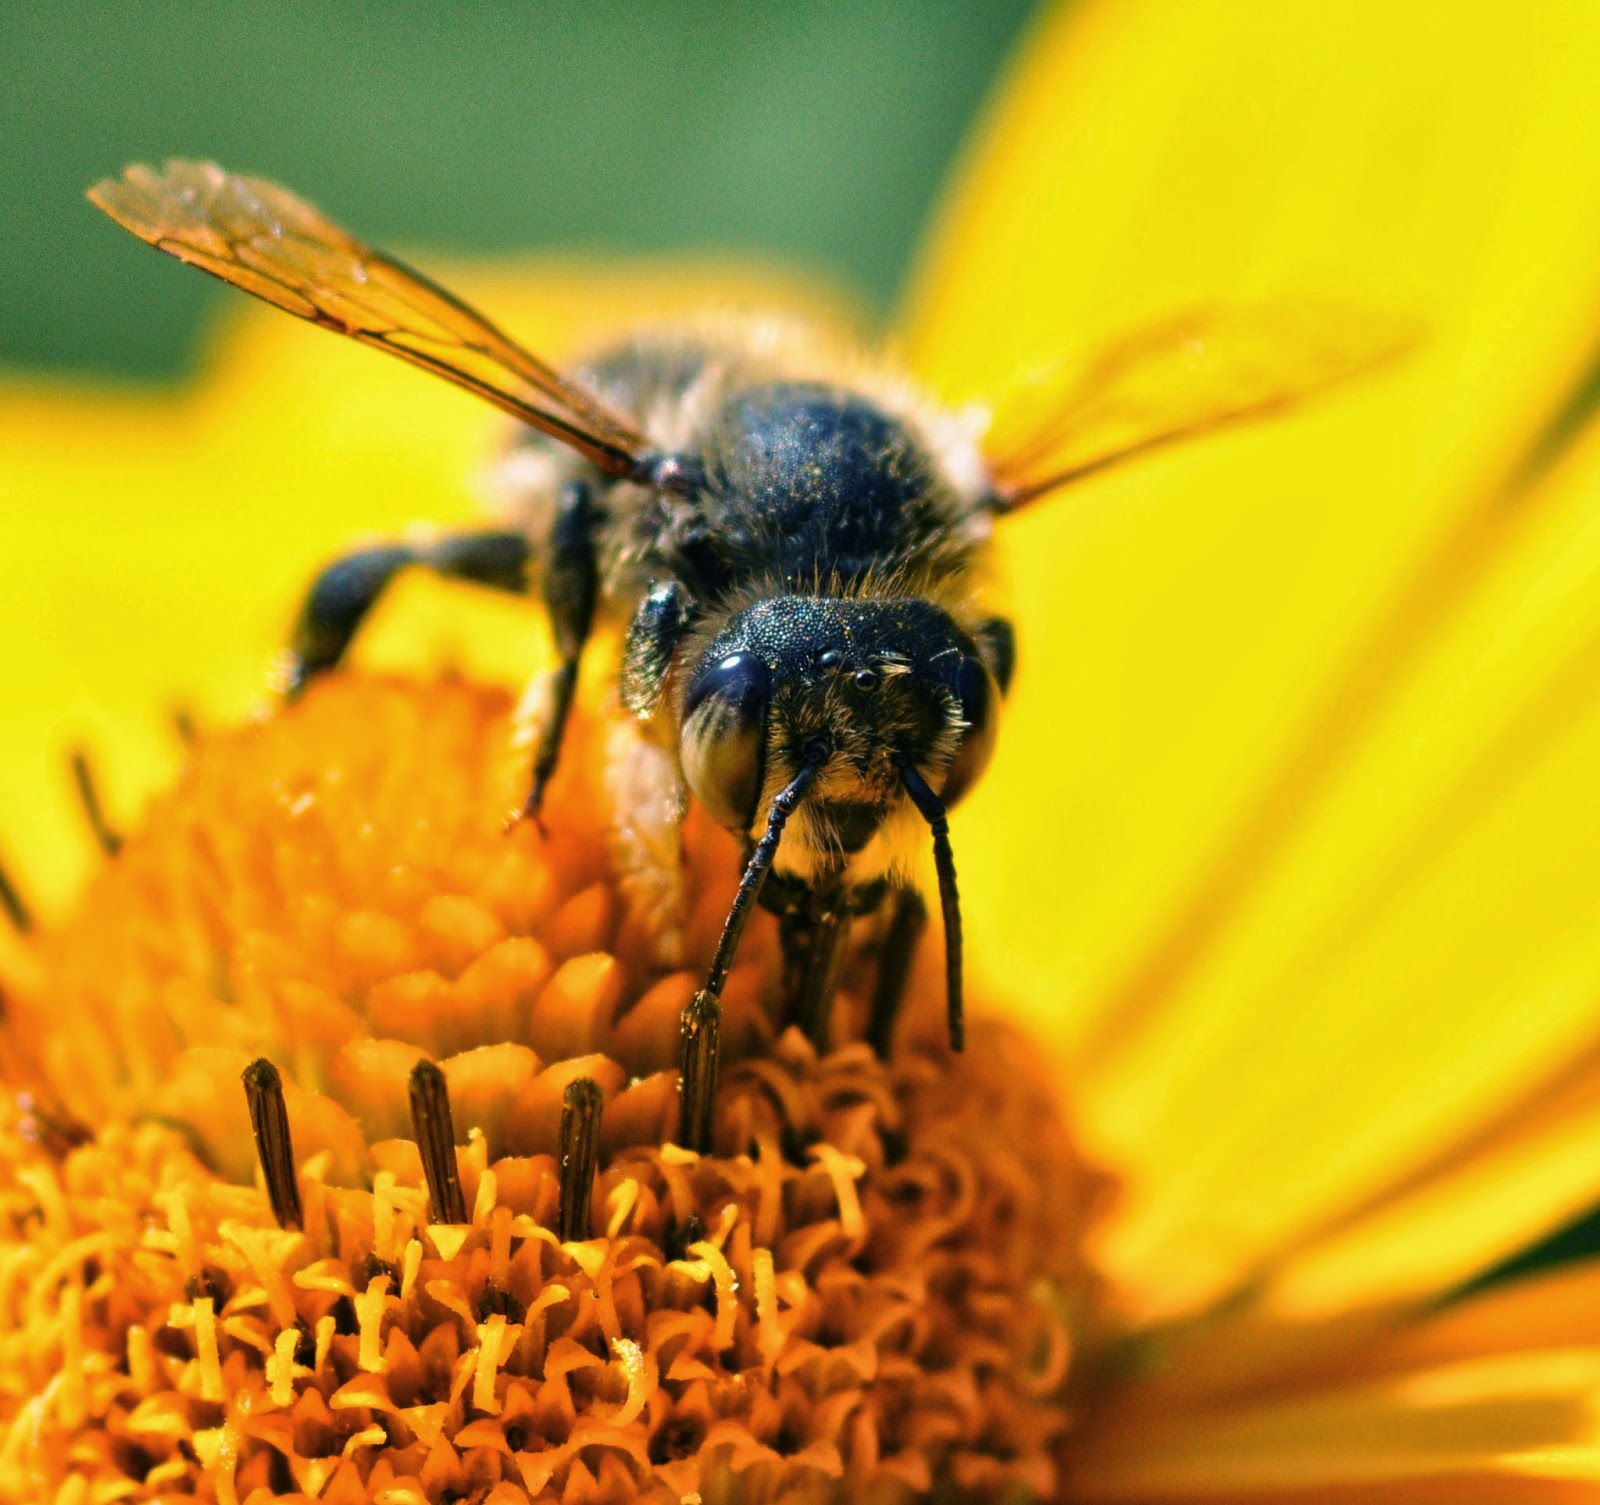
{"x": 796, "y": 553}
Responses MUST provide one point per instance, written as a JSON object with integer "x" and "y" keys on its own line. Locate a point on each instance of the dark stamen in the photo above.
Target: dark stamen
{"x": 52, "y": 1128}
{"x": 944, "y": 864}
{"x": 680, "y": 1235}
{"x": 89, "y": 797}
{"x": 909, "y": 920}
{"x": 699, "y": 1060}
{"x": 184, "y": 724}
{"x": 435, "y": 1132}
{"x": 263, "y": 1090}
{"x": 15, "y": 906}
{"x": 580, "y": 1150}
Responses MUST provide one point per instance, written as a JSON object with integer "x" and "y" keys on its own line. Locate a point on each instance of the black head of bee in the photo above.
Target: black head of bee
{"x": 857, "y": 690}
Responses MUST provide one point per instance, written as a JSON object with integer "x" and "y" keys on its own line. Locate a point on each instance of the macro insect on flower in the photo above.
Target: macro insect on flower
{"x": 795, "y": 539}
{"x": 1289, "y": 857}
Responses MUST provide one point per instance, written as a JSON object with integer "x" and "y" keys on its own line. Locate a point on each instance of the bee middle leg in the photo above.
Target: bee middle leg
{"x": 571, "y": 589}
{"x": 798, "y": 908}
{"x": 908, "y": 918}
{"x": 343, "y": 595}
{"x": 828, "y": 923}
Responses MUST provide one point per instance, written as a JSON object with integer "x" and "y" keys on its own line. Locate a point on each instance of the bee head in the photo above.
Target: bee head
{"x": 858, "y": 690}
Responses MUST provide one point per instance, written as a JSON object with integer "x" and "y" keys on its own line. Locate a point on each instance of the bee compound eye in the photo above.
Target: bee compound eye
{"x": 979, "y": 698}
{"x": 724, "y": 741}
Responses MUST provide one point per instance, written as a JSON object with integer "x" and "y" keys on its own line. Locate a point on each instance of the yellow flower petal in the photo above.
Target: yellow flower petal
{"x": 1239, "y": 1365}
{"x": 1534, "y": 1170}
{"x": 1263, "y": 682}
{"x": 1507, "y": 1428}
{"x": 1540, "y": 1311}
{"x": 1359, "y": 1301}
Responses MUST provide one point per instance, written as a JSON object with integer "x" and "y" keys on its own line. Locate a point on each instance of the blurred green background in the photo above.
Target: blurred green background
{"x": 809, "y": 133}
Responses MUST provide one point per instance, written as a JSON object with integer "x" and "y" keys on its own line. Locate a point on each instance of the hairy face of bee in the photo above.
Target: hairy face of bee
{"x": 860, "y": 689}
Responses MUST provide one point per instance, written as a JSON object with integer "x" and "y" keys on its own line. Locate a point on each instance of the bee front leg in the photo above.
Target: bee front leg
{"x": 343, "y": 595}
{"x": 908, "y": 918}
{"x": 571, "y": 587}
{"x": 817, "y": 976}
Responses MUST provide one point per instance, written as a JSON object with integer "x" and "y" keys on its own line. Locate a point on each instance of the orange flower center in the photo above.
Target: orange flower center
{"x": 872, "y": 1279}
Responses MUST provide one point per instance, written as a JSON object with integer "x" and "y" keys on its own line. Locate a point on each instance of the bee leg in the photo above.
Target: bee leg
{"x": 347, "y": 589}
{"x": 571, "y": 586}
{"x": 908, "y": 918}
{"x": 796, "y": 925}
{"x": 790, "y": 900}
{"x": 658, "y": 627}
{"x": 780, "y": 895}
{"x": 813, "y": 1003}
{"x": 811, "y": 926}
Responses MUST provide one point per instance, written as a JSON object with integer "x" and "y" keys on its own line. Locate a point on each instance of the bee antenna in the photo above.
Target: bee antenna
{"x": 755, "y": 873}
{"x": 701, "y": 1025}
{"x": 932, "y": 810}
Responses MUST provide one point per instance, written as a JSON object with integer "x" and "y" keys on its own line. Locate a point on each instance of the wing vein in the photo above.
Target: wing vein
{"x": 267, "y": 242}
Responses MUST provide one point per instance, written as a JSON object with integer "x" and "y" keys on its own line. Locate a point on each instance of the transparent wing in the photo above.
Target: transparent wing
{"x": 265, "y": 240}
{"x": 1194, "y": 373}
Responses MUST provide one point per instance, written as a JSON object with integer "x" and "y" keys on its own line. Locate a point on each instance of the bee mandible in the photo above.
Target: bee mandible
{"x": 796, "y": 555}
